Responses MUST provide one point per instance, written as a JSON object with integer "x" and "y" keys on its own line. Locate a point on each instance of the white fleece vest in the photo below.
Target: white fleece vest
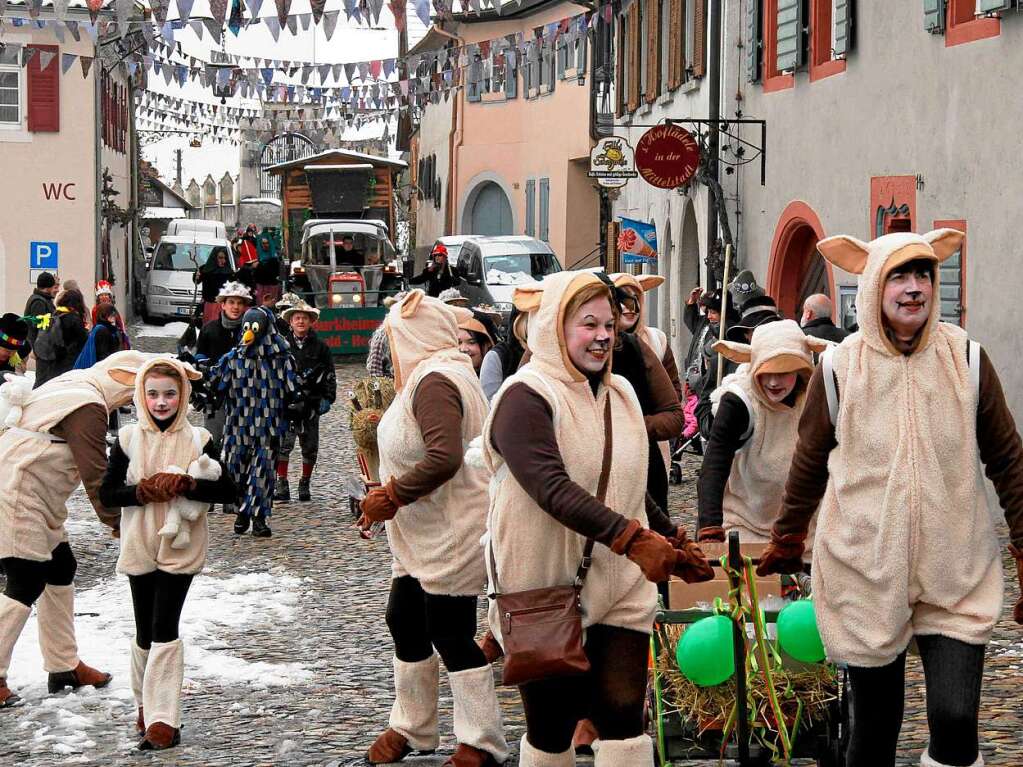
{"x": 531, "y": 548}
{"x": 905, "y": 541}
{"x": 436, "y": 538}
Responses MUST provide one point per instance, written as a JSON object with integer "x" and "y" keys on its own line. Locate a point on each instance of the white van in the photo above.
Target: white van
{"x": 491, "y": 267}
{"x": 170, "y": 292}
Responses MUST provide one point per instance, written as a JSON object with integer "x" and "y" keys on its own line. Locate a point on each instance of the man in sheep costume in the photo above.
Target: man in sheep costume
{"x": 897, "y": 422}
{"x": 54, "y": 439}
{"x": 256, "y": 380}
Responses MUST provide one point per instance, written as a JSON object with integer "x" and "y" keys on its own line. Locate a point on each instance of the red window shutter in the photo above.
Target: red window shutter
{"x": 700, "y": 41}
{"x": 653, "y": 46}
{"x": 44, "y": 93}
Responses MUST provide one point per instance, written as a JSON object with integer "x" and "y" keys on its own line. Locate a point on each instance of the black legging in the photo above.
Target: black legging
{"x": 611, "y": 695}
{"x": 419, "y": 622}
{"x": 26, "y": 578}
{"x": 157, "y": 598}
{"x": 953, "y": 672}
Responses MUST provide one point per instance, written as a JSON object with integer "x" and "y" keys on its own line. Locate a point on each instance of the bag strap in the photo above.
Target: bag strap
{"x": 605, "y": 473}
{"x": 830, "y": 383}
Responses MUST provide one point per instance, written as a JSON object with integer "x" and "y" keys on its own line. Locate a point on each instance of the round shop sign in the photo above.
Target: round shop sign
{"x": 667, "y": 156}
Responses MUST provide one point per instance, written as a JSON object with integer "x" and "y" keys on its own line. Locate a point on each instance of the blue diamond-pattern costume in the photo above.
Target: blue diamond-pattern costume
{"x": 255, "y": 381}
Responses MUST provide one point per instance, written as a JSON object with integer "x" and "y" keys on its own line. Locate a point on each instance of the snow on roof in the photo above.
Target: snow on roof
{"x": 371, "y": 158}
{"x": 159, "y": 211}
{"x": 357, "y": 166}
{"x": 262, "y": 201}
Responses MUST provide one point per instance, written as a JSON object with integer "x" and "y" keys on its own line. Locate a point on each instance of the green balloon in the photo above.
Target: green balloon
{"x": 798, "y": 634}
{"x": 704, "y": 653}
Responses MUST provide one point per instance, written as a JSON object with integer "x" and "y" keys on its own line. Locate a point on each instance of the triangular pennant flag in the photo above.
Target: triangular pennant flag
{"x": 160, "y": 10}
{"x": 330, "y": 22}
{"x": 167, "y": 32}
{"x": 273, "y": 27}
{"x": 168, "y": 74}
{"x": 388, "y": 67}
{"x": 423, "y": 11}
{"x": 304, "y": 19}
{"x": 375, "y": 67}
{"x": 237, "y": 17}
{"x": 283, "y": 6}
{"x": 67, "y": 60}
{"x": 375, "y": 6}
{"x": 213, "y": 27}
{"x": 349, "y": 6}
{"x": 58, "y": 31}
{"x": 324, "y": 70}
{"x": 59, "y": 9}
{"x": 131, "y": 66}
{"x": 27, "y": 54}
{"x": 254, "y": 6}
{"x": 219, "y": 10}
{"x": 363, "y": 70}
{"x": 45, "y": 58}
{"x": 185, "y": 9}
{"x": 292, "y": 23}
{"x": 317, "y": 6}
{"x": 197, "y": 27}
{"x": 86, "y": 62}
{"x": 349, "y": 72}
{"x": 268, "y": 75}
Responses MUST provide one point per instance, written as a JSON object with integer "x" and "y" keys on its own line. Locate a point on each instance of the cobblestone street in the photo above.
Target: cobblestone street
{"x": 290, "y": 654}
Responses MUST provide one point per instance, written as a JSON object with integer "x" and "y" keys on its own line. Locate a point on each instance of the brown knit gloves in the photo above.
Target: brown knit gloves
{"x": 652, "y": 552}
{"x": 711, "y": 534}
{"x": 784, "y": 554}
{"x": 1017, "y": 609}
{"x": 379, "y": 505}
{"x": 162, "y": 487}
{"x": 691, "y": 563}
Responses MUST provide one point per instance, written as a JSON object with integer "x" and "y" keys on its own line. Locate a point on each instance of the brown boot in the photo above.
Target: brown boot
{"x": 391, "y": 746}
{"x": 491, "y": 649}
{"x": 7, "y": 698}
{"x": 467, "y": 756}
{"x": 80, "y": 676}
{"x": 140, "y": 723}
{"x": 160, "y": 736}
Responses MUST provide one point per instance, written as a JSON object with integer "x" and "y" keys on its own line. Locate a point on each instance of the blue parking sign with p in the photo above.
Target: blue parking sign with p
{"x": 42, "y": 255}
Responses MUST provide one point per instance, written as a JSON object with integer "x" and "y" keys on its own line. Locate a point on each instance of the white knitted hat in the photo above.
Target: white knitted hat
{"x": 234, "y": 290}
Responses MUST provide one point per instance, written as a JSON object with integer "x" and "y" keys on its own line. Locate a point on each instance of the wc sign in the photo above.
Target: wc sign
{"x": 42, "y": 255}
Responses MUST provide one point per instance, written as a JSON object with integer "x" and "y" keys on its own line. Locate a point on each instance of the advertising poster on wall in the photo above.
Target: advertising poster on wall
{"x": 637, "y": 242}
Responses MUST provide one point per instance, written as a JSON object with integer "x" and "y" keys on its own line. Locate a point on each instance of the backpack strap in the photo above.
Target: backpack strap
{"x": 973, "y": 360}
{"x": 830, "y": 383}
{"x": 742, "y": 395}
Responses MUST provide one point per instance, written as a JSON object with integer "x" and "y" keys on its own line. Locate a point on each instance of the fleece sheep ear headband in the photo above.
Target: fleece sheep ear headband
{"x": 742, "y": 353}
{"x": 127, "y": 376}
{"x": 851, "y": 254}
{"x": 410, "y": 307}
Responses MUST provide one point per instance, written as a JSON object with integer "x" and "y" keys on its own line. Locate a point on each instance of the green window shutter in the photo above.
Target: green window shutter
{"x": 790, "y": 35}
{"x": 531, "y": 208}
{"x": 580, "y": 56}
{"x": 562, "y": 56}
{"x": 754, "y": 40}
{"x": 952, "y": 289}
{"x": 991, "y": 6}
{"x": 475, "y": 77}
{"x": 545, "y": 201}
{"x": 843, "y": 27}
{"x": 934, "y": 16}
{"x": 511, "y": 74}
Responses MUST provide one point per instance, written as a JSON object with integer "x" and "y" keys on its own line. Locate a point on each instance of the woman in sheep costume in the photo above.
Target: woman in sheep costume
{"x": 435, "y": 507}
{"x": 905, "y": 547}
{"x": 544, "y": 443}
{"x": 54, "y": 439}
{"x": 756, "y": 414}
{"x": 164, "y": 473}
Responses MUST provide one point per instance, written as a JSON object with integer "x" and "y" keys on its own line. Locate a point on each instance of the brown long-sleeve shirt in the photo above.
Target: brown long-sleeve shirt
{"x": 85, "y": 431}
{"x": 671, "y": 368}
{"x": 1001, "y": 452}
{"x": 437, "y": 407}
{"x": 666, "y": 420}
{"x": 523, "y": 433}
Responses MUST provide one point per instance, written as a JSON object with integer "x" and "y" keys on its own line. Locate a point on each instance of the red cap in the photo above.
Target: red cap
{"x": 439, "y": 249}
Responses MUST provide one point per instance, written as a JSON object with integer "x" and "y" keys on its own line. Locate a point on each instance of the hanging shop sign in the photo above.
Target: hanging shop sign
{"x": 612, "y": 162}
{"x": 637, "y": 242}
{"x": 667, "y": 156}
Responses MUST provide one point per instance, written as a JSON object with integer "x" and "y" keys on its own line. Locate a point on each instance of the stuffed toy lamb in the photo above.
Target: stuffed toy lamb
{"x": 181, "y": 511}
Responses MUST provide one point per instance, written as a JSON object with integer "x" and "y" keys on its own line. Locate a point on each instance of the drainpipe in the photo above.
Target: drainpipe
{"x": 455, "y": 139}
{"x": 97, "y": 122}
{"x": 714, "y": 82}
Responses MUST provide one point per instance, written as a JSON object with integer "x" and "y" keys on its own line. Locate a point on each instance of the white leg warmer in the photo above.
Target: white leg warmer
{"x": 478, "y": 721}
{"x": 634, "y": 752}
{"x": 138, "y": 670}
{"x": 161, "y": 687}
{"x": 56, "y": 609}
{"x": 534, "y": 757}
{"x": 927, "y": 761}
{"x": 414, "y": 713}
{"x": 13, "y": 615}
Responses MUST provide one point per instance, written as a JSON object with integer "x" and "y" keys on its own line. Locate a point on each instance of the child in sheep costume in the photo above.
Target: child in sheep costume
{"x": 163, "y": 543}
{"x": 54, "y": 438}
{"x": 750, "y": 448}
{"x": 435, "y": 508}
{"x": 897, "y": 422}
{"x": 256, "y": 381}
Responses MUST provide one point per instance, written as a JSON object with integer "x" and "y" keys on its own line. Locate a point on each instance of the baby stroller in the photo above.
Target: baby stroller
{"x": 689, "y": 441}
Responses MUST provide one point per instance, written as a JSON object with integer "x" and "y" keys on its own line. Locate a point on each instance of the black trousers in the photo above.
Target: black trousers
{"x": 27, "y": 578}
{"x": 953, "y": 672}
{"x": 308, "y": 435}
{"x": 157, "y": 599}
{"x": 420, "y": 622}
{"x": 611, "y": 695}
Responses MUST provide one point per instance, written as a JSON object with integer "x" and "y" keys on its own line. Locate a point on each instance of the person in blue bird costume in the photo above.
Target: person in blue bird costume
{"x": 256, "y": 381}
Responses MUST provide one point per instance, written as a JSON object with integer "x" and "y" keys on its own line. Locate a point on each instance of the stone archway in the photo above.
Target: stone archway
{"x": 796, "y": 269}
{"x": 664, "y": 268}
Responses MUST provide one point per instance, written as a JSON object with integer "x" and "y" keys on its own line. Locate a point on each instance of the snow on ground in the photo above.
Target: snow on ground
{"x": 170, "y": 330}
{"x": 216, "y": 611}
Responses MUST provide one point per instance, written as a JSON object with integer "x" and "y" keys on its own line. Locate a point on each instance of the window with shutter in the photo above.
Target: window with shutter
{"x": 963, "y": 24}
{"x": 511, "y": 73}
{"x": 934, "y": 16}
{"x": 663, "y": 50}
{"x": 11, "y": 99}
{"x": 952, "y": 273}
{"x": 653, "y": 50}
{"x": 754, "y": 41}
{"x": 643, "y": 45}
{"x": 843, "y": 39}
{"x": 676, "y": 39}
{"x": 825, "y": 18}
{"x": 44, "y": 93}
{"x": 580, "y": 55}
{"x": 773, "y": 78}
{"x": 789, "y": 56}
{"x": 531, "y": 208}
{"x": 562, "y": 56}
{"x": 699, "y": 60}
{"x": 545, "y": 201}
{"x": 475, "y": 85}
{"x": 437, "y": 198}
{"x": 634, "y": 47}
{"x": 993, "y": 6}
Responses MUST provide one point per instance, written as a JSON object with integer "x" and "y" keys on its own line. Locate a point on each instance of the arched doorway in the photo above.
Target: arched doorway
{"x": 491, "y": 212}
{"x": 687, "y": 275}
{"x": 796, "y": 269}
